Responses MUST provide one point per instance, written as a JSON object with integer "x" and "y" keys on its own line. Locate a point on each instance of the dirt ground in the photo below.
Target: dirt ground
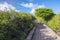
{"x": 43, "y": 32}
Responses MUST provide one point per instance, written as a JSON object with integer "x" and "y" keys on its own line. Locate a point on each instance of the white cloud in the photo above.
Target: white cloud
{"x": 32, "y": 6}
{"x": 6, "y": 7}
{"x": 38, "y": 6}
{"x": 27, "y": 5}
{"x": 32, "y": 11}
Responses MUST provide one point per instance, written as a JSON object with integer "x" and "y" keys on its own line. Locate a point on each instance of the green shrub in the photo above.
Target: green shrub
{"x": 15, "y": 25}
{"x": 44, "y": 13}
{"x": 54, "y": 23}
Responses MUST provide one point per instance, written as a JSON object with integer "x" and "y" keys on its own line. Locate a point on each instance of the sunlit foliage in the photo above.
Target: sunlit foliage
{"x": 15, "y": 25}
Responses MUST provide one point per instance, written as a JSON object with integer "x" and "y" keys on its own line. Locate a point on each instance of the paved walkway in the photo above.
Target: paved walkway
{"x": 44, "y": 33}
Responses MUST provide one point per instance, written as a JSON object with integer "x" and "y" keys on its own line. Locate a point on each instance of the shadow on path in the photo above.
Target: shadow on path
{"x": 44, "y": 33}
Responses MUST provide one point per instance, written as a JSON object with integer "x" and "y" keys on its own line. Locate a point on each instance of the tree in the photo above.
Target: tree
{"x": 45, "y": 13}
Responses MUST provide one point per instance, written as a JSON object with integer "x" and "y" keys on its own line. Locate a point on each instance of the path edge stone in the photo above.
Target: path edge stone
{"x": 29, "y": 37}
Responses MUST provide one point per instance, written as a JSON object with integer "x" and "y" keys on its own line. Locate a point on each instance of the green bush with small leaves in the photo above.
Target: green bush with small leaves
{"x": 15, "y": 25}
{"x": 54, "y": 23}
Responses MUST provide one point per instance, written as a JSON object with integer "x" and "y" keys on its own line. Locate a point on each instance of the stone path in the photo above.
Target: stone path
{"x": 44, "y": 33}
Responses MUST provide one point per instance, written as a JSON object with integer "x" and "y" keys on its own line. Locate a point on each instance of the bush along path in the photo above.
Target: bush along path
{"x": 43, "y": 32}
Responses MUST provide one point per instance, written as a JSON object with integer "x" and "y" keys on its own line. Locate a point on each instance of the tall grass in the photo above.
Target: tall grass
{"x": 54, "y": 23}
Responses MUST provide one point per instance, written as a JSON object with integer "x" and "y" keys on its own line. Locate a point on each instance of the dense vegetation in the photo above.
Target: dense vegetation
{"x": 43, "y": 14}
{"x": 15, "y": 25}
{"x": 54, "y": 23}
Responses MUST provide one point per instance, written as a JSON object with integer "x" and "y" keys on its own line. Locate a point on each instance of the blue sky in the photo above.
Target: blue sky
{"x": 31, "y": 5}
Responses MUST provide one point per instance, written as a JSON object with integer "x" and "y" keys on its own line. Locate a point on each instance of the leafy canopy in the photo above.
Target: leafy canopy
{"x": 45, "y": 13}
